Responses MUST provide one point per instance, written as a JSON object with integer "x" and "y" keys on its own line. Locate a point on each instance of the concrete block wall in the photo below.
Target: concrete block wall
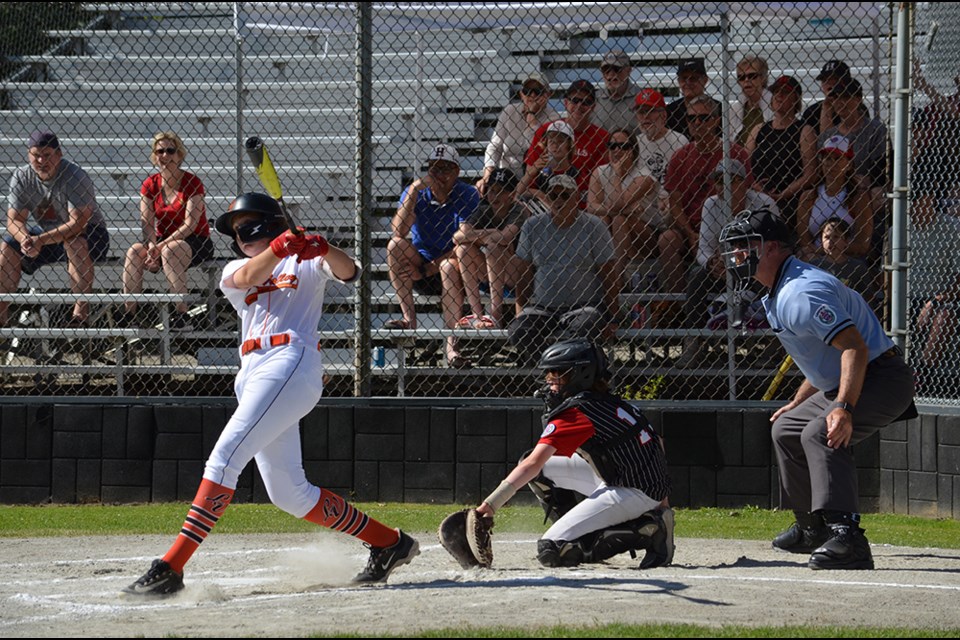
{"x": 442, "y": 453}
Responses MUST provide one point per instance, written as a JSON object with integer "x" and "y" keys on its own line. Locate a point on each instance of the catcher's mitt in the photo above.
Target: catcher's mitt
{"x": 466, "y": 535}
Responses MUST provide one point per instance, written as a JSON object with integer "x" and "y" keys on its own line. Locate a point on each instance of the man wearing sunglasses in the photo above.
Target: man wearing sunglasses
{"x": 615, "y": 98}
{"x": 68, "y": 225}
{"x": 580, "y": 100}
{"x": 515, "y": 127}
{"x": 692, "y": 80}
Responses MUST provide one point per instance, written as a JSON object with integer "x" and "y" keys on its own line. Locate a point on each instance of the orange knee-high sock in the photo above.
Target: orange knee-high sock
{"x": 335, "y": 513}
{"x": 211, "y": 501}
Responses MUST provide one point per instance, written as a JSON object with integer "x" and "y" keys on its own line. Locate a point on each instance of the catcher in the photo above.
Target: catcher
{"x": 598, "y": 470}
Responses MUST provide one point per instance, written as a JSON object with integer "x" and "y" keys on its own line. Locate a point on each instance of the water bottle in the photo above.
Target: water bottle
{"x": 378, "y": 357}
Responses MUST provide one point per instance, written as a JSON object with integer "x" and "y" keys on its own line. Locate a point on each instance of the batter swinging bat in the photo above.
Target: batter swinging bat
{"x": 268, "y": 178}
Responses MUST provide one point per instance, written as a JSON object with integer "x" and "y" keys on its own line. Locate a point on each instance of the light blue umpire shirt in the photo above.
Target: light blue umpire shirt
{"x": 807, "y": 308}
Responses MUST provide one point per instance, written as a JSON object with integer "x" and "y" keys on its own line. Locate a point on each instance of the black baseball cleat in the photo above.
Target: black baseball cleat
{"x": 805, "y": 535}
{"x": 660, "y": 552}
{"x": 847, "y": 548}
{"x": 383, "y": 560}
{"x": 159, "y": 581}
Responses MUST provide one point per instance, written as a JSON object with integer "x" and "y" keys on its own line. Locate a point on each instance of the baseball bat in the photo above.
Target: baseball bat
{"x": 777, "y": 379}
{"x": 260, "y": 158}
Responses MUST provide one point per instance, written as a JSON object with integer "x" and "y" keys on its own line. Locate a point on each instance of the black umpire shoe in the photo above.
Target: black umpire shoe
{"x": 383, "y": 560}
{"x": 159, "y": 581}
{"x": 805, "y": 535}
{"x": 847, "y": 548}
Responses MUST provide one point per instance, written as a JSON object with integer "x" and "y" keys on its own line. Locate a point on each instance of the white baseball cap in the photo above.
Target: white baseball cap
{"x": 559, "y": 126}
{"x": 562, "y": 181}
{"x": 445, "y": 152}
{"x": 839, "y": 145}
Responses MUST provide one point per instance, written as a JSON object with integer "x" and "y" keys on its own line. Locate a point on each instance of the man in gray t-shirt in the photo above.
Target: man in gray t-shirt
{"x": 568, "y": 285}
{"x": 66, "y": 222}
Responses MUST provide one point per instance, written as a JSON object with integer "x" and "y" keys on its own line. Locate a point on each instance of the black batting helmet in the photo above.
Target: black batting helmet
{"x": 270, "y": 225}
{"x": 583, "y": 362}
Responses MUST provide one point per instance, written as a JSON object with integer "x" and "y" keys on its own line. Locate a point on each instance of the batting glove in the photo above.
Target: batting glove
{"x": 315, "y": 246}
{"x": 287, "y": 244}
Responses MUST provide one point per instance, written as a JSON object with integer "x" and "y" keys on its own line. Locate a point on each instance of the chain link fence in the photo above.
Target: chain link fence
{"x": 422, "y": 138}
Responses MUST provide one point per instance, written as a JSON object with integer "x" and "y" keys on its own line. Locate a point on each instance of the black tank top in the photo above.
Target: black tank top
{"x": 777, "y": 160}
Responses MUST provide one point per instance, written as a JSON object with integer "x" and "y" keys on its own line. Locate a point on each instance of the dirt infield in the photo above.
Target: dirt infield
{"x": 290, "y": 585}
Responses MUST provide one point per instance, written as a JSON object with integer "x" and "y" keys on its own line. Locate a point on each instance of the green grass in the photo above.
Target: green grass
{"x": 748, "y": 523}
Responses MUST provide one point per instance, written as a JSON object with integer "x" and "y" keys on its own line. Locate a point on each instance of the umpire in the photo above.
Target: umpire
{"x": 855, "y": 383}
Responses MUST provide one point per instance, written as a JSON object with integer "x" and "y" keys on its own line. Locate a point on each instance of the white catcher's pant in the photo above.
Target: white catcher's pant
{"x": 604, "y": 506}
{"x": 275, "y": 388}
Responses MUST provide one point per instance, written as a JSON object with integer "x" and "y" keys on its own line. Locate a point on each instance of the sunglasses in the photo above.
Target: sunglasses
{"x": 587, "y": 102}
{"x": 535, "y": 93}
{"x": 165, "y": 151}
{"x": 747, "y": 76}
{"x": 700, "y": 117}
{"x": 619, "y": 145}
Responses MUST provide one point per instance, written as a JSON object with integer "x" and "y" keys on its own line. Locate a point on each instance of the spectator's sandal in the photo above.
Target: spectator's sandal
{"x": 458, "y": 361}
{"x": 397, "y": 323}
{"x": 477, "y": 322}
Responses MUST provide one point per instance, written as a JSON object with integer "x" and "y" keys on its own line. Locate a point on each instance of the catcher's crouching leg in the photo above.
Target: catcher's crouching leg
{"x": 555, "y": 501}
{"x": 648, "y": 532}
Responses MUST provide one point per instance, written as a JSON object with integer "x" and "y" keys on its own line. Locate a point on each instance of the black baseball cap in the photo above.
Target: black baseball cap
{"x": 847, "y": 87}
{"x": 584, "y": 86}
{"x": 694, "y": 65}
{"x": 834, "y": 69}
{"x": 505, "y": 178}
{"x": 43, "y": 139}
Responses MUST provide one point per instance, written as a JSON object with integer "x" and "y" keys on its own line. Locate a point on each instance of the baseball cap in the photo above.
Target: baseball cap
{"x": 559, "y": 126}
{"x": 649, "y": 98}
{"x": 839, "y": 145}
{"x": 615, "y": 58}
{"x": 847, "y": 86}
{"x": 537, "y": 77}
{"x": 694, "y": 65}
{"x": 445, "y": 152}
{"x": 834, "y": 69}
{"x": 736, "y": 168}
{"x": 43, "y": 139}
{"x": 504, "y": 177}
{"x": 561, "y": 181}
{"x": 786, "y": 82}
{"x": 584, "y": 86}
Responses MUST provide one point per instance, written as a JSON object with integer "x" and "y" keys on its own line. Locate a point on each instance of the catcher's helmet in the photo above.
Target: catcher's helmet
{"x": 270, "y": 225}
{"x": 581, "y": 361}
{"x": 740, "y": 258}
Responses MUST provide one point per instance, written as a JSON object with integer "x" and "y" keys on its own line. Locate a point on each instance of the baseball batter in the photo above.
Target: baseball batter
{"x": 598, "y": 470}
{"x": 277, "y": 288}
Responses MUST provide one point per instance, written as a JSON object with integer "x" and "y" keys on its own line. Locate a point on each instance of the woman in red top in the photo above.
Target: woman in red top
{"x": 176, "y": 235}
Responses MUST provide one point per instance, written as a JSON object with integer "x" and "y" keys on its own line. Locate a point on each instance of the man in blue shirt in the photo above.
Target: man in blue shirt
{"x": 856, "y": 382}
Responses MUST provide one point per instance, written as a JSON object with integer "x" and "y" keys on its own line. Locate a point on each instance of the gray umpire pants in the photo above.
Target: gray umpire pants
{"x": 815, "y": 476}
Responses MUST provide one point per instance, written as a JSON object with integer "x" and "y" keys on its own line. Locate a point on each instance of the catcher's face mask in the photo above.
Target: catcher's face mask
{"x": 553, "y": 391}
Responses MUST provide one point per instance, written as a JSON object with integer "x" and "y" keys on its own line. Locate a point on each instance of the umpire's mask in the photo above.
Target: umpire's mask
{"x": 740, "y": 255}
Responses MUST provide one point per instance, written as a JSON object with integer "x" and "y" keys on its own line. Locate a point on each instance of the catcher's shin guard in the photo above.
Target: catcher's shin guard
{"x": 632, "y": 536}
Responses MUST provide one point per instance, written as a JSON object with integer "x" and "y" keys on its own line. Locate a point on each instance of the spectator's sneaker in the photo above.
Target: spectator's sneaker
{"x": 160, "y": 580}
{"x": 180, "y": 321}
{"x": 383, "y": 560}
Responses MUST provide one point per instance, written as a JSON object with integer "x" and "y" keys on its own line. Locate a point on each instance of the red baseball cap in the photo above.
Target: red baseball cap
{"x": 649, "y": 98}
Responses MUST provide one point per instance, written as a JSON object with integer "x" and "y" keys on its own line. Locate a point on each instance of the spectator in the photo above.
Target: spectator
{"x": 753, "y": 107}
{"x": 579, "y": 101}
{"x": 615, "y": 97}
{"x": 692, "y": 79}
{"x": 706, "y": 277}
{"x": 431, "y": 209}
{"x": 835, "y": 237}
{"x": 624, "y": 194}
{"x": 176, "y": 235}
{"x": 559, "y": 142}
{"x": 820, "y": 116}
{"x": 485, "y": 245}
{"x": 567, "y": 283}
{"x": 515, "y": 127}
{"x": 934, "y": 289}
{"x": 867, "y": 135}
{"x": 69, "y": 226}
{"x": 782, "y": 150}
{"x": 689, "y": 183}
{"x": 839, "y": 194}
{"x": 658, "y": 143}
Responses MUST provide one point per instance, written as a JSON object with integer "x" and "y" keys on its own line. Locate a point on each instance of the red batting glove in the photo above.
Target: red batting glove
{"x": 315, "y": 246}
{"x": 287, "y": 244}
